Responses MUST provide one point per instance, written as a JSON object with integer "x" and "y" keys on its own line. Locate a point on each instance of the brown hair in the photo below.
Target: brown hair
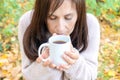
{"x": 36, "y": 32}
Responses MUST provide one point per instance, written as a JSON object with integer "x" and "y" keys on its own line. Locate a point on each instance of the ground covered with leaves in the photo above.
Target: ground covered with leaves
{"x": 109, "y": 52}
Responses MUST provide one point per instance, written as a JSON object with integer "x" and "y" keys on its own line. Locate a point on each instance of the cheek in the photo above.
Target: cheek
{"x": 71, "y": 29}
{"x": 72, "y": 26}
{"x": 50, "y": 27}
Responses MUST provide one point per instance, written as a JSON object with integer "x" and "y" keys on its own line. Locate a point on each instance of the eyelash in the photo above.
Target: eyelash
{"x": 68, "y": 18}
{"x": 53, "y": 18}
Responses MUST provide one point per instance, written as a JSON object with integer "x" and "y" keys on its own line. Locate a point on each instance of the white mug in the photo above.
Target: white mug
{"x": 57, "y": 45}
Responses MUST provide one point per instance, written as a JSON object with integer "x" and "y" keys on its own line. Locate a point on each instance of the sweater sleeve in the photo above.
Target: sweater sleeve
{"x": 33, "y": 70}
{"x": 85, "y": 67}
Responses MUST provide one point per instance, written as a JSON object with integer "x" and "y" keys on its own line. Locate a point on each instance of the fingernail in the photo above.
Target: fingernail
{"x": 54, "y": 65}
{"x": 57, "y": 67}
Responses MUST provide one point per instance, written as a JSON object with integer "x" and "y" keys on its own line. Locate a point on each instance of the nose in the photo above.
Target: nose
{"x": 60, "y": 27}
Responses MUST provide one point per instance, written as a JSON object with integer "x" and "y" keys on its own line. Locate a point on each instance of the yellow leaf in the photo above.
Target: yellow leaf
{"x": 1, "y": 64}
{"x": 4, "y": 56}
{"x": 111, "y": 73}
{"x": 5, "y": 72}
{"x": 0, "y": 37}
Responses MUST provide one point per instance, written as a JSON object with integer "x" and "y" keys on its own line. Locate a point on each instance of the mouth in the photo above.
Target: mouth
{"x": 60, "y": 33}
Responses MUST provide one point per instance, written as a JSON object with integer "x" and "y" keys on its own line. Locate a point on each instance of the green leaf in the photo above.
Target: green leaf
{"x": 8, "y": 31}
{"x": 1, "y": 49}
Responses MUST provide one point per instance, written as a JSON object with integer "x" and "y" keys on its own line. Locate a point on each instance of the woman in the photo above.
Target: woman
{"x": 66, "y": 17}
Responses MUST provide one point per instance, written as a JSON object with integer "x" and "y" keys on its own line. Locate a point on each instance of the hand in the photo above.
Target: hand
{"x": 70, "y": 57}
{"x": 45, "y": 55}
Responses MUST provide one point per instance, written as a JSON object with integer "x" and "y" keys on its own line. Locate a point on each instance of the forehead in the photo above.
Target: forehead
{"x": 62, "y": 7}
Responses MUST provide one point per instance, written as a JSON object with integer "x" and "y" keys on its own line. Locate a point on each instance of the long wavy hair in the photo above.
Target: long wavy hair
{"x": 37, "y": 31}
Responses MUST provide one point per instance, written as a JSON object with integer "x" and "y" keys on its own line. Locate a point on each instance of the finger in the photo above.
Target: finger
{"x": 73, "y": 55}
{"x": 51, "y": 65}
{"x": 39, "y": 59}
{"x": 45, "y": 52}
{"x": 71, "y": 46}
{"x": 46, "y": 63}
{"x": 68, "y": 59}
{"x": 59, "y": 68}
{"x": 64, "y": 66}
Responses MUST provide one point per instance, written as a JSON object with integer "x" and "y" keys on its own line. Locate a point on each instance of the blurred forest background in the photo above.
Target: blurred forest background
{"x": 108, "y": 14}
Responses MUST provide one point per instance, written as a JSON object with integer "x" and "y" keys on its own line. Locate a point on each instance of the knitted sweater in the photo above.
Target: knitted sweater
{"x": 85, "y": 67}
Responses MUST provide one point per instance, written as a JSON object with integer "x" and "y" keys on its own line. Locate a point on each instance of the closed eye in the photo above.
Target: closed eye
{"x": 52, "y": 17}
{"x": 68, "y": 17}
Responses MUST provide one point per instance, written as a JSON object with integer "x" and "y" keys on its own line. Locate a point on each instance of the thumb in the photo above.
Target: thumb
{"x": 39, "y": 59}
{"x": 45, "y": 53}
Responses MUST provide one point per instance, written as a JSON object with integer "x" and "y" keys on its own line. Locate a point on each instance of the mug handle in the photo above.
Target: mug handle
{"x": 40, "y": 48}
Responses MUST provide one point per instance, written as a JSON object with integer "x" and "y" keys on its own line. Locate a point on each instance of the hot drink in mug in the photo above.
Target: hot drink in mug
{"x": 57, "y": 46}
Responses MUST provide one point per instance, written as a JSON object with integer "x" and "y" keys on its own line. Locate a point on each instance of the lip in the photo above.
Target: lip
{"x": 60, "y": 33}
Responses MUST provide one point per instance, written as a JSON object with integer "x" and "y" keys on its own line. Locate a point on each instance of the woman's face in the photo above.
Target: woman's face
{"x": 62, "y": 21}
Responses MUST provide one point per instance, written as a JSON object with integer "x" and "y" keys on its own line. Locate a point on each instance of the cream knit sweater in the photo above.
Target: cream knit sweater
{"x": 84, "y": 69}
